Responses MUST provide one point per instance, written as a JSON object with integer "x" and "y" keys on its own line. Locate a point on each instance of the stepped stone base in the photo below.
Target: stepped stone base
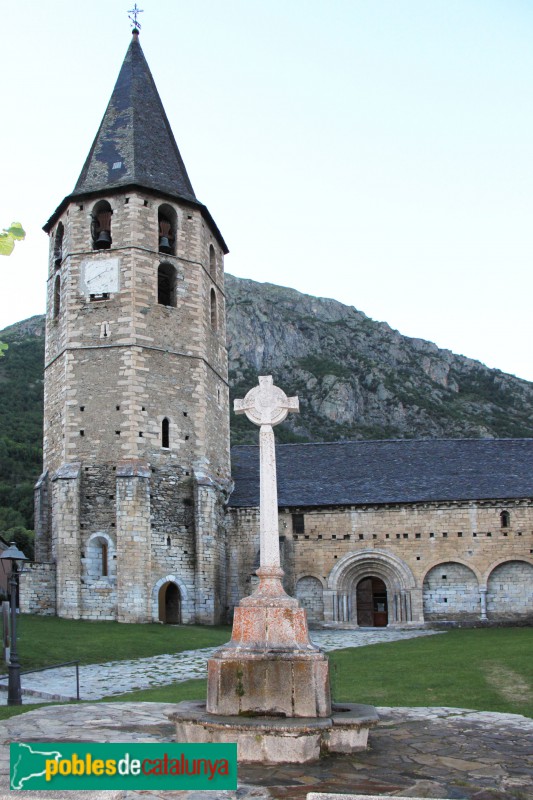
{"x": 268, "y": 688}
{"x": 272, "y": 740}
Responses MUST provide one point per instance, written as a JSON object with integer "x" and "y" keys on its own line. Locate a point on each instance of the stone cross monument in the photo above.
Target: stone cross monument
{"x": 269, "y": 667}
{"x": 266, "y": 405}
{"x": 268, "y": 688}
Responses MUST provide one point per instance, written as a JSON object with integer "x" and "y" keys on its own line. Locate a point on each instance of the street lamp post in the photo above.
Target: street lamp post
{"x": 13, "y": 556}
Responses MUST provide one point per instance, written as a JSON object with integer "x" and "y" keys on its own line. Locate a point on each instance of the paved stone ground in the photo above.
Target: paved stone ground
{"x": 453, "y": 753}
{"x": 117, "y": 677}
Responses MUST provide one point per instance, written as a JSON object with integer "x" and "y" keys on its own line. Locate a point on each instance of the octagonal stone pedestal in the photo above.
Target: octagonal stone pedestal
{"x": 275, "y": 740}
{"x": 270, "y": 667}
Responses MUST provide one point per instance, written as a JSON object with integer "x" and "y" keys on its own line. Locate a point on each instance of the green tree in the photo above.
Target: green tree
{"x": 8, "y": 237}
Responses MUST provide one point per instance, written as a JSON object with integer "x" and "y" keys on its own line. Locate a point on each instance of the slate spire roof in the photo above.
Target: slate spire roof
{"x": 135, "y": 144}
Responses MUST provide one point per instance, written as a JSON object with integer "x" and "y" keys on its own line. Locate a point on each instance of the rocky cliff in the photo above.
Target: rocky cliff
{"x": 357, "y": 378}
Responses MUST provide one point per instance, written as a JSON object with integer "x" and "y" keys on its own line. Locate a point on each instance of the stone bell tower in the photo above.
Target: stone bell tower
{"x": 136, "y": 427}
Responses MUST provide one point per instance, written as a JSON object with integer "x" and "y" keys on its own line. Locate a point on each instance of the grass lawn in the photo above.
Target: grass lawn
{"x": 49, "y": 640}
{"x": 485, "y": 669}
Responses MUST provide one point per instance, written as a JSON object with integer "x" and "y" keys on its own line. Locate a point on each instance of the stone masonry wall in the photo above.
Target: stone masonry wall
{"x": 451, "y": 589}
{"x": 467, "y": 538}
{"x": 510, "y": 591}
{"x": 66, "y": 538}
{"x": 173, "y": 534}
{"x": 133, "y": 543}
{"x": 38, "y": 589}
{"x": 210, "y": 590}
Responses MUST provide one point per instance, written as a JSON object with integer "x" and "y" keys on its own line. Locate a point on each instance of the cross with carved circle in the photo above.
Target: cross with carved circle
{"x": 266, "y": 404}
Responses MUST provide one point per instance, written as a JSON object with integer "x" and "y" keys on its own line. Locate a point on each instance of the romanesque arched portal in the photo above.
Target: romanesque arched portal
{"x": 371, "y": 587}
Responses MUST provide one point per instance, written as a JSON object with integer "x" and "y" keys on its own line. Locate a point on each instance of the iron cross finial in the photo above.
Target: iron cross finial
{"x": 134, "y": 19}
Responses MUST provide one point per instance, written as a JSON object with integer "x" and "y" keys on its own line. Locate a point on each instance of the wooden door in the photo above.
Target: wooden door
{"x": 372, "y": 608}
{"x": 172, "y": 605}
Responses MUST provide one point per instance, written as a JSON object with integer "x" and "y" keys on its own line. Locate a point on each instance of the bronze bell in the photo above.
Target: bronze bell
{"x": 104, "y": 241}
{"x": 165, "y": 231}
{"x": 164, "y": 245}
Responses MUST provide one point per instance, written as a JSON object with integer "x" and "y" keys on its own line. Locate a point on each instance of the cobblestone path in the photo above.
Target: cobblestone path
{"x": 414, "y": 752}
{"x": 117, "y": 677}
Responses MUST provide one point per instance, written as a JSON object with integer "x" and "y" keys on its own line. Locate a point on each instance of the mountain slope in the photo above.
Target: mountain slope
{"x": 356, "y": 379}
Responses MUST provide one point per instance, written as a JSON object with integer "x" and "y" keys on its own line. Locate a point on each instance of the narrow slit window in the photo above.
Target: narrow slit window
{"x": 104, "y": 564}
{"x": 57, "y": 296}
{"x": 165, "y": 433}
{"x": 505, "y": 519}
{"x": 213, "y": 310}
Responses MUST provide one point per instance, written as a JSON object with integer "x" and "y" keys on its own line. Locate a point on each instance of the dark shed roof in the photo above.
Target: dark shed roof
{"x": 394, "y": 471}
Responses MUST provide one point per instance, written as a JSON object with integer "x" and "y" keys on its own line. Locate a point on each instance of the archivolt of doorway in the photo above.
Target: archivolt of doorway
{"x": 402, "y": 603}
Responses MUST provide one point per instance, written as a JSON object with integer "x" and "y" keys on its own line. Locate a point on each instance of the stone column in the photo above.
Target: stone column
{"x": 133, "y": 527}
{"x": 43, "y": 540}
{"x": 66, "y": 538}
{"x": 329, "y": 605}
{"x": 345, "y": 608}
{"x": 206, "y": 556}
{"x": 483, "y": 598}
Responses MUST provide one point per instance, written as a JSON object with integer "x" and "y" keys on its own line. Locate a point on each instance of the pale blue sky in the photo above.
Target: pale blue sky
{"x": 374, "y": 151}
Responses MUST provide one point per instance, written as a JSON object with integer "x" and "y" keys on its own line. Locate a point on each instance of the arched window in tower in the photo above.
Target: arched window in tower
{"x": 101, "y": 225}
{"x": 165, "y": 433}
{"x": 168, "y": 226}
{"x": 57, "y": 296}
{"x": 214, "y": 322}
{"x": 212, "y": 262}
{"x": 505, "y": 519}
{"x": 58, "y": 245}
{"x": 166, "y": 285}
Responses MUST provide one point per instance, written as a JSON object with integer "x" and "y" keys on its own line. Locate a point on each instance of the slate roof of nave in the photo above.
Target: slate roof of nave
{"x": 392, "y": 471}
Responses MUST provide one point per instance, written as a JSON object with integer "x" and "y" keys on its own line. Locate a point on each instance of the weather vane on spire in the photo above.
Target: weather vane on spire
{"x": 133, "y": 19}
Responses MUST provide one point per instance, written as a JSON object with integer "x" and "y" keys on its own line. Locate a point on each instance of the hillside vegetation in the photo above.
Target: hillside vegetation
{"x": 356, "y": 379}
{"x": 359, "y": 379}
